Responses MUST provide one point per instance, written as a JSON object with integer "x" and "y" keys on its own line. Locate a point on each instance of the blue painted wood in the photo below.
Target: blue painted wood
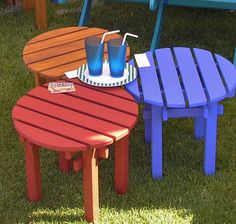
{"x": 191, "y": 80}
{"x": 147, "y": 122}
{"x": 133, "y": 87}
{"x": 210, "y": 75}
{"x": 184, "y": 112}
{"x": 85, "y": 12}
{"x": 158, "y": 27}
{"x": 169, "y": 77}
{"x": 210, "y": 141}
{"x": 199, "y": 128}
{"x": 156, "y": 142}
{"x": 150, "y": 85}
{"x": 228, "y": 72}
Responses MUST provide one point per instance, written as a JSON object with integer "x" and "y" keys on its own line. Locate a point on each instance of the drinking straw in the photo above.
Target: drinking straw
{"x": 107, "y": 33}
{"x": 128, "y": 34}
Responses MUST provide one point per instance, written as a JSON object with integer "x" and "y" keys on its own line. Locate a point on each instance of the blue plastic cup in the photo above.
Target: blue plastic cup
{"x": 116, "y": 57}
{"x": 94, "y": 54}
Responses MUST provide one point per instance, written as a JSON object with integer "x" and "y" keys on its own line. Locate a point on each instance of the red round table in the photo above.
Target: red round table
{"x": 85, "y": 121}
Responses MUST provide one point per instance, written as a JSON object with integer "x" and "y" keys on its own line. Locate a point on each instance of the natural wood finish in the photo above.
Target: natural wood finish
{"x": 53, "y": 53}
{"x": 32, "y": 164}
{"x": 41, "y": 14}
{"x": 90, "y": 182}
{"x": 28, "y": 4}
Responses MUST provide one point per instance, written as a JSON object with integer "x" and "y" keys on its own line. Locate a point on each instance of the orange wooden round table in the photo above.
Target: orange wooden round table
{"x": 53, "y": 53}
{"x": 85, "y": 121}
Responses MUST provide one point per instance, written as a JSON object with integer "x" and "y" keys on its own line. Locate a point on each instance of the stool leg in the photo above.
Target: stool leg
{"x": 156, "y": 142}
{"x": 199, "y": 127}
{"x": 32, "y": 163}
{"x": 147, "y": 122}
{"x": 122, "y": 165}
{"x": 65, "y": 165}
{"x": 90, "y": 177}
{"x": 38, "y": 81}
{"x": 210, "y": 141}
{"x": 41, "y": 14}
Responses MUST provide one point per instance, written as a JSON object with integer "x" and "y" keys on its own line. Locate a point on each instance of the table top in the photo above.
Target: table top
{"x": 183, "y": 77}
{"x": 55, "y": 52}
{"x": 91, "y": 117}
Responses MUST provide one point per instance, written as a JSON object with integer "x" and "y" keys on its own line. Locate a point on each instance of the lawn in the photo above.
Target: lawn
{"x": 184, "y": 195}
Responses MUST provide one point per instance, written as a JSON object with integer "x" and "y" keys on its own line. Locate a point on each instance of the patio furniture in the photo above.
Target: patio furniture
{"x": 40, "y": 11}
{"x": 160, "y": 5}
{"x": 51, "y": 54}
{"x": 85, "y": 121}
{"x": 183, "y": 82}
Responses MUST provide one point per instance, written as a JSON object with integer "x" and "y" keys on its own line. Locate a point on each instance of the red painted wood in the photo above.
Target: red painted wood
{"x": 65, "y": 164}
{"x": 103, "y": 153}
{"x": 84, "y": 106}
{"x": 61, "y": 128}
{"x": 32, "y": 163}
{"x": 121, "y": 165}
{"x": 77, "y": 164}
{"x": 104, "y": 127}
{"x": 90, "y": 177}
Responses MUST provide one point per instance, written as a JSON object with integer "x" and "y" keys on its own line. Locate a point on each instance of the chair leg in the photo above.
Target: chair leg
{"x": 156, "y": 141}
{"x": 122, "y": 165}
{"x": 85, "y": 13}
{"x": 147, "y": 122}
{"x": 32, "y": 164}
{"x": 234, "y": 57}
{"x": 210, "y": 141}
{"x": 28, "y": 5}
{"x": 65, "y": 165}
{"x": 199, "y": 127}
{"x": 158, "y": 27}
{"x": 90, "y": 182}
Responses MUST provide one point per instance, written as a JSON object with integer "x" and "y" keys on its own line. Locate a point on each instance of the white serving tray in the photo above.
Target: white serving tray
{"x": 105, "y": 79}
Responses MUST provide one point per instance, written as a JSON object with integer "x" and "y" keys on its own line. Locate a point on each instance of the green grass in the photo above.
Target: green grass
{"x": 185, "y": 195}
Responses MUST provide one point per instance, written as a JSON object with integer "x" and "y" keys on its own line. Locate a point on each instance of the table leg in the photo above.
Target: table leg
{"x": 90, "y": 177}
{"x": 199, "y": 127}
{"x": 210, "y": 141}
{"x": 38, "y": 80}
{"x": 156, "y": 141}
{"x": 32, "y": 163}
{"x": 122, "y": 165}
{"x": 28, "y": 4}
{"x": 65, "y": 165}
{"x": 147, "y": 122}
{"x": 41, "y": 14}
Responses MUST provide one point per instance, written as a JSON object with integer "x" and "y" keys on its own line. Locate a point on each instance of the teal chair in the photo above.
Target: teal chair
{"x": 159, "y": 6}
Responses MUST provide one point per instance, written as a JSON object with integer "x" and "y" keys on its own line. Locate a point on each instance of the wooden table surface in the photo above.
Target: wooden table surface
{"x": 55, "y": 52}
{"x": 85, "y": 121}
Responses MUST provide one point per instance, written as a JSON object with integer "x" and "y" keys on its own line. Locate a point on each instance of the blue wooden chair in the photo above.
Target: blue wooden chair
{"x": 159, "y": 6}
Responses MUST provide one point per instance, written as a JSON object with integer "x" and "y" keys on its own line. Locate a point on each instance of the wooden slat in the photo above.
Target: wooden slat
{"x": 106, "y": 100}
{"x": 210, "y": 75}
{"x": 150, "y": 85}
{"x": 103, "y": 127}
{"x": 116, "y": 91}
{"x": 83, "y": 106}
{"x": 169, "y": 77}
{"x": 56, "y": 41}
{"x": 228, "y": 71}
{"x": 54, "y": 141}
{"x": 61, "y": 52}
{"x": 55, "y": 33}
{"x": 191, "y": 80}
{"x": 72, "y": 132}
